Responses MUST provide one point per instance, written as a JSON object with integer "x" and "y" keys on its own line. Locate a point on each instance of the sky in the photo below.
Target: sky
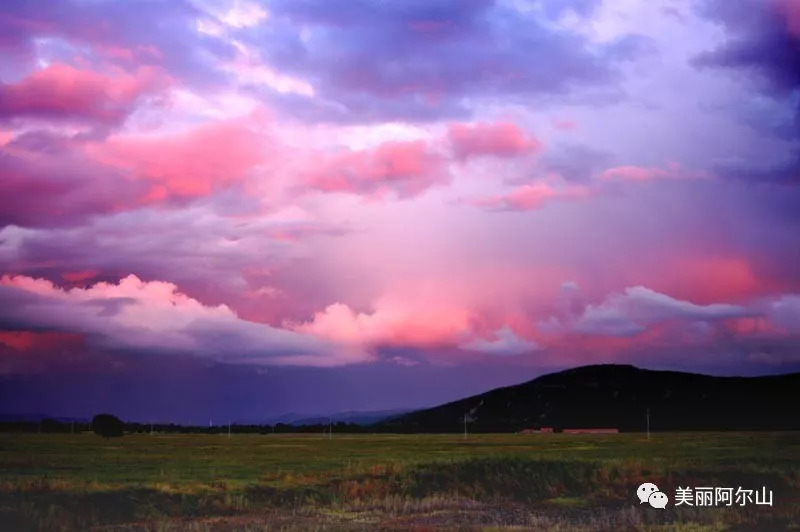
{"x": 236, "y": 209}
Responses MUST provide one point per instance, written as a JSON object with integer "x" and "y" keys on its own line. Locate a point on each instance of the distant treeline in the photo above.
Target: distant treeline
{"x": 53, "y": 426}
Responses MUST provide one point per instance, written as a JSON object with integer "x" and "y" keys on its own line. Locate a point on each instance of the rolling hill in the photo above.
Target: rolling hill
{"x": 619, "y": 396}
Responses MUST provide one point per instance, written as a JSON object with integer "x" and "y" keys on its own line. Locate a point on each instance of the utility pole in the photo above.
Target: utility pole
{"x": 151, "y": 429}
{"x": 648, "y": 422}
{"x": 72, "y": 428}
{"x": 465, "y": 426}
{"x": 229, "y": 430}
{"x": 330, "y": 428}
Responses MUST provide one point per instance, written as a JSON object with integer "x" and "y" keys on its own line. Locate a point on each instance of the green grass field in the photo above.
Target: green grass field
{"x": 365, "y": 482}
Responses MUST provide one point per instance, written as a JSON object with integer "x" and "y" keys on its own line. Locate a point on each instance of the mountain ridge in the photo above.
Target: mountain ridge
{"x": 621, "y": 397}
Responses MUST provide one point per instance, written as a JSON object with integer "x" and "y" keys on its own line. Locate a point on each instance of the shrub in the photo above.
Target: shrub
{"x": 107, "y": 426}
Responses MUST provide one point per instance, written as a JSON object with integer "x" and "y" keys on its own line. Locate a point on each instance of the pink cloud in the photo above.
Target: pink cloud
{"x": 55, "y": 184}
{"x": 706, "y": 279}
{"x": 34, "y": 340}
{"x": 191, "y": 163}
{"x": 639, "y": 173}
{"x": 405, "y": 168}
{"x": 633, "y": 173}
{"x": 63, "y": 92}
{"x": 627, "y": 323}
{"x": 392, "y": 322}
{"x": 460, "y": 308}
{"x": 503, "y": 139}
{"x": 639, "y": 316}
{"x": 531, "y": 197}
{"x": 565, "y": 124}
{"x": 790, "y": 9}
{"x": 78, "y": 276}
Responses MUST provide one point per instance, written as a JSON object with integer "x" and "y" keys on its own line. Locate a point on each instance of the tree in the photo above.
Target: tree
{"x": 51, "y": 425}
{"x": 107, "y": 426}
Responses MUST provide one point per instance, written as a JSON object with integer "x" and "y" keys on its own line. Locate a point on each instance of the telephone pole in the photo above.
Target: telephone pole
{"x": 648, "y": 422}
{"x": 465, "y": 426}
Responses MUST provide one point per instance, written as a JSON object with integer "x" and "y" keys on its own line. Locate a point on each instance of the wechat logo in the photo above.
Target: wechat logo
{"x": 649, "y": 492}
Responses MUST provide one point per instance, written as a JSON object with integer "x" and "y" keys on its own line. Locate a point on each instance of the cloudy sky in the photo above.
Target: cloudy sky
{"x": 236, "y": 209}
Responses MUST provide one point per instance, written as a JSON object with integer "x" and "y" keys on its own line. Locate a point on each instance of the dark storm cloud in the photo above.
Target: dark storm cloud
{"x": 762, "y": 38}
{"x": 783, "y": 172}
{"x": 759, "y": 37}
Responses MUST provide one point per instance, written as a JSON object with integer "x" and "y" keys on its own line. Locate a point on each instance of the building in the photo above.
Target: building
{"x": 537, "y": 431}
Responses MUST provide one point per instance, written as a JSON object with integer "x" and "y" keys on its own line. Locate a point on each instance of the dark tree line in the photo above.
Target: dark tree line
{"x": 109, "y": 427}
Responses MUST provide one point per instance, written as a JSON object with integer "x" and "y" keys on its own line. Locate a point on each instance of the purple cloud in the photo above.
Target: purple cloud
{"x": 760, "y": 38}
{"x": 55, "y": 186}
{"x": 155, "y": 33}
{"x": 763, "y": 37}
{"x": 135, "y": 315}
{"x": 633, "y": 311}
{"x": 392, "y": 60}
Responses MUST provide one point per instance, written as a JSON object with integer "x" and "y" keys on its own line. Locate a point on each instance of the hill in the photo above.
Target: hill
{"x": 619, "y": 396}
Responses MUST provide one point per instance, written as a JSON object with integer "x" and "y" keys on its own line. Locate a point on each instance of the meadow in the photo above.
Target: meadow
{"x": 390, "y": 482}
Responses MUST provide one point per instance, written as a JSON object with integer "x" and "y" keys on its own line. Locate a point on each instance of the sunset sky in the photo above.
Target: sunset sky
{"x": 236, "y": 209}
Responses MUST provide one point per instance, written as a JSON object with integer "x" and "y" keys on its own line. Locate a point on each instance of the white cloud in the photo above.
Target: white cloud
{"x": 631, "y": 312}
{"x": 505, "y": 342}
{"x": 155, "y": 316}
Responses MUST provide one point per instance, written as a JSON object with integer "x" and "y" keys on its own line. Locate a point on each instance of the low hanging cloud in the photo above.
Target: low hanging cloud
{"x": 154, "y": 316}
{"x": 637, "y": 308}
{"x": 530, "y": 197}
{"x": 392, "y": 322}
{"x": 785, "y": 312}
{"x": 505, "y": 343}
{"x": 641, "y": 173}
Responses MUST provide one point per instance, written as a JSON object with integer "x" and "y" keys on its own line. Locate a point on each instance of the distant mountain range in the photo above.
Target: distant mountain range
{"x": 621, "y": 397}
{"x": 32, "y": 418}
{"x": 354, "y": 417}
{"x": 297, "y": 420}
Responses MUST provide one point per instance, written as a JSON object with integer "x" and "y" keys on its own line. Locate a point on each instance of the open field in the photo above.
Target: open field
{"x": 365, "y": 482}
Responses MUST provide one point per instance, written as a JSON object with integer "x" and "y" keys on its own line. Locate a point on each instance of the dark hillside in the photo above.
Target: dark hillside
{"x": 618, "y": 396}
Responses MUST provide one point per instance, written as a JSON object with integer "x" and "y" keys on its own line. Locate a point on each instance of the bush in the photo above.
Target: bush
{"x": 107, "y": 426}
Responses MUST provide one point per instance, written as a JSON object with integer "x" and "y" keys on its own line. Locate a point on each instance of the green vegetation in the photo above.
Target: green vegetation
{"x": 302, "y": 482}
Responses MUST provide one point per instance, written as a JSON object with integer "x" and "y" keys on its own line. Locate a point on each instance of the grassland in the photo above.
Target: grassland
{"x": 366, "y": 482}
